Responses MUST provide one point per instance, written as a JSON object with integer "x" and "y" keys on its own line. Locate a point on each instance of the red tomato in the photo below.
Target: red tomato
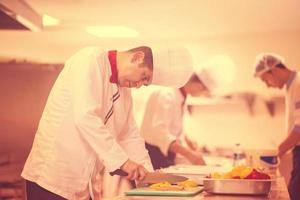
{"x": 257, "y": 175}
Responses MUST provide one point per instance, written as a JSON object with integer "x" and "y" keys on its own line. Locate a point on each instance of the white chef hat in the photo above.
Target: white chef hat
{"x": 265, "y": 61}
{"x": 172, "y": 67}
{"x": 217, "y": 73}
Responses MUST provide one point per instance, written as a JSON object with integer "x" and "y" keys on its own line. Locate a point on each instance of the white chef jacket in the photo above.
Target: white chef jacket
{"x": 86, "y": 119}
{"x": 163, "y": 118}
{"x": 292, "y": 103}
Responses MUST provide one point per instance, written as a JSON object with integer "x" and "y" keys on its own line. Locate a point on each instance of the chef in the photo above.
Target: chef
{"x": 87, "y": 123}
{"x": 271, "y": 69}
{"x": 162, "y": 126}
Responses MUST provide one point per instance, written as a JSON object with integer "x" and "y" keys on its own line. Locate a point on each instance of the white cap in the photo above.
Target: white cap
{"x": 265, "y": 61}
{"x": 172, "y": 67}
{"x": 207, "y": 78}
{"x": 217, "y": 72}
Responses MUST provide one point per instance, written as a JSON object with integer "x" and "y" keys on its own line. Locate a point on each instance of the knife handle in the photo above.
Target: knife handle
{"x": 119, "y": 172}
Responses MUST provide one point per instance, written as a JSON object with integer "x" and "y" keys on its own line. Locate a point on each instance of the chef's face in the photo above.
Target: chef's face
{"x": 197, "y": 89}
{"x": 134, "y": 73}
{"x": 271, "y": 80}
{"x": 135, "y": 76}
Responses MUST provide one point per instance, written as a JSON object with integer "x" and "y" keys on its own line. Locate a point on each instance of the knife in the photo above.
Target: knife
{"x": 154, "y": 177}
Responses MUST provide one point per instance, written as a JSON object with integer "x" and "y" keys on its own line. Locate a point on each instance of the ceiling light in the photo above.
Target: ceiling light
{"x": 111, "y": 31}
{"x": 50, "y": 21}
{"x": 29, "y": 24}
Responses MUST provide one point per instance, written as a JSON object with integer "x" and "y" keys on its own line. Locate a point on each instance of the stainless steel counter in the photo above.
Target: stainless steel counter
{"x": 278, "y": 192}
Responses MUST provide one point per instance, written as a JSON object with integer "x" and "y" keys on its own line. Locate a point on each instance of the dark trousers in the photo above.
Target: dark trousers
{"x": 36, "y": 192}
{"x": 158, "y": 159}
{"x": 294, "y": 185}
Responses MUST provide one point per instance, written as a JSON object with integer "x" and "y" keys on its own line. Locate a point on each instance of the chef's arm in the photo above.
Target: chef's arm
{"x": 158, "y": 126}
{"x": 86, "y": 96}
{"x": 294, "y": 137}
{"x": 132, "y": 142}
{"x": 99, "y": 139}
{"x": 191, "y": 144}
{"x": 289, "y": 142}
{"x": 176, "y": 147}
{"x": 192, "y": 156}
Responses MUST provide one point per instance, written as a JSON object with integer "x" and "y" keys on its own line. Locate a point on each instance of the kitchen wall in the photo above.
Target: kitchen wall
{"x": 24, "y": 88}
{"x": 242, "y": 48}
{"x": 223, "y": 121}
{"x": 226, "y": 122}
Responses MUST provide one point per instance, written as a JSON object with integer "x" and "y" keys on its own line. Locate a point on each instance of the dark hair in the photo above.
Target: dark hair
{"x": 195, "y": 78}
{"x": 148, "y": 59}
{"x": 280, "y": 65}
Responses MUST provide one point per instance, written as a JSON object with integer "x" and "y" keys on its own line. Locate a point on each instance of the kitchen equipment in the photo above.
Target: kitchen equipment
{"x": 272, "y": 161}
{"x": 237, "y": 186}
{"x": 264, "y": 159}
{"x": 254, "y": 156}
{"x": 194, "y": 172}
{"x": 154, "y": 177}
{"x": 146, "y": 191}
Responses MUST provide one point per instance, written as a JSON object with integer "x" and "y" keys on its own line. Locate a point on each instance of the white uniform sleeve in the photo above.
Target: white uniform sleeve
{"x": 86, "y": 87}
{"x": 132, "y": 143}
{"x": 162, "y": 116}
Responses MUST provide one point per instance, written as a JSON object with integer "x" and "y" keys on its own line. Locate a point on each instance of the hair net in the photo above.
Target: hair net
{"x": 265, "y": 61}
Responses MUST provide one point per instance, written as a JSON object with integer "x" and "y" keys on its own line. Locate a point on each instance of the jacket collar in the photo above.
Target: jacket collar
{"x": 181, "y": 95}
{"x": 112, "y": 56}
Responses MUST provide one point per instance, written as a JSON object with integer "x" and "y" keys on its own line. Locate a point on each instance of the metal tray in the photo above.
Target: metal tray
{"x": 237, "y": 186}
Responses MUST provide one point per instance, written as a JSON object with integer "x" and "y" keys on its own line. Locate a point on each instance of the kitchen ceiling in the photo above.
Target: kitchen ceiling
{"x": 175, "y": 18}
{"x": 237, "y": 28}
{"x": 155, "y": 20}
{"x": 18, "y": 15}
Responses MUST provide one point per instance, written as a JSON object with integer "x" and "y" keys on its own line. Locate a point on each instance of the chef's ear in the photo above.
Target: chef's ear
{"x": 138, "y": 57}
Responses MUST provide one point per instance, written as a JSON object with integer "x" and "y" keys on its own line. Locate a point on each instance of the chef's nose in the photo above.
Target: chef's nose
{"x": 146, "y": 82}
{"x": 138, "y": 84}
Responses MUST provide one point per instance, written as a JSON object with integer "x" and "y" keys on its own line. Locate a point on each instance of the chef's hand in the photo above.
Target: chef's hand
{"x": 195, "y": 158}
{"x": 135, "y": 171}
{"x": 282, "y": 149}
{"x": 192, "y": 144}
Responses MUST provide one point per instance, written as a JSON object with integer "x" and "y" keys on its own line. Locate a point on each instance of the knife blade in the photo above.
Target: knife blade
{"x": 154, "y": 177}
{"x": 157, "y": 177}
